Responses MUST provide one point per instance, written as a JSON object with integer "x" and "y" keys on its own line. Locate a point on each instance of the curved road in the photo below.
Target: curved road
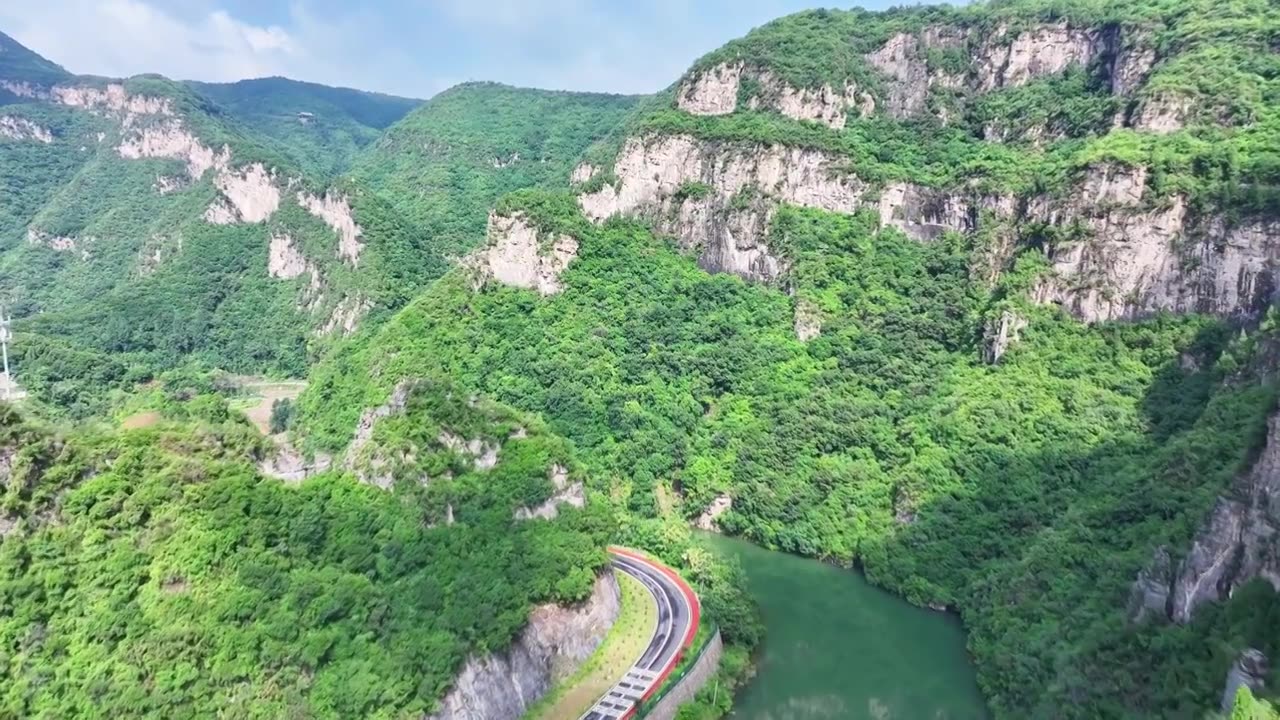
{"x": 678, "y": 616}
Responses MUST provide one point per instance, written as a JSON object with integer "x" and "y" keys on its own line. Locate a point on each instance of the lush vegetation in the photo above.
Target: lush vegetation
{"x": 113, "y": 281}
{"x": 885, "y": 442}
{"x": 1247, "y": 707}
{"x": 1215, "y": 60}
{"x": 444, "y": 165}
{"x": 1026, "y": 493}
{"x": 154, "y": 573}
{"x": 321, "y": 128}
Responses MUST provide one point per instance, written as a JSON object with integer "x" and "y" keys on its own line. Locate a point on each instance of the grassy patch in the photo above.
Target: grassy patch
{"x": 257, "y": 405}
{"x": 637, "y": 619}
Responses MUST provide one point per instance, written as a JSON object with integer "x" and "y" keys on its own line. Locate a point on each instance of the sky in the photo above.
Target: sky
{"x": 405, "y": 47}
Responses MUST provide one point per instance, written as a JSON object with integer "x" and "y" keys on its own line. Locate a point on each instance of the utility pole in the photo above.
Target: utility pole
{"x": 5, "y": 335}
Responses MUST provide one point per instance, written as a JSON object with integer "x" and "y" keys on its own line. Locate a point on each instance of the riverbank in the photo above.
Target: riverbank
{"x": 837, "y": 647}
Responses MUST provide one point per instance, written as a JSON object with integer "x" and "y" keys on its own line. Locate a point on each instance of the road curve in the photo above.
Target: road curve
{"x": 678, "y": 615}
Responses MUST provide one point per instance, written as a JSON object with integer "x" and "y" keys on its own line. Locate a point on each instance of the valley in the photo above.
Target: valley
{"x": 957, "y": 326}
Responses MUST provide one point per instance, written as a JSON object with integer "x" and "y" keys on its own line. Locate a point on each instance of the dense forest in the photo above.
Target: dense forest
{"x": 155, "y": 572}
{"x": 915, "y": 404}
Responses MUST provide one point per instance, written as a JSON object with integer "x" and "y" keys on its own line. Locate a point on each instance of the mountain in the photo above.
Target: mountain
{"x": 980, "y": 300}
{"x": 150, "y": 223}
{"x": 446, "y": 163}
{"x": 20, "y": 65}
{"x": 322, "y": 128}
{"x": 160, "y": 563}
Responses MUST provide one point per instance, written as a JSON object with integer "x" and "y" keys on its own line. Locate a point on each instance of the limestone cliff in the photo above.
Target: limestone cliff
{"x": 718, "y": 199}
{"x": 1237, "y": 543}
{"x": 519, "y": 256}
{"x": 915, "y": 81}
{"x": 556, "y": 641}
{"x": 1131, "y": 255}
{"x": 716, "y": 90}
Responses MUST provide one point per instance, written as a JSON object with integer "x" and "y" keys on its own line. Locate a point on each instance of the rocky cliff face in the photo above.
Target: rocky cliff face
{"x": 19, "y": 128}
{"x": 1249, "y": 670}
{"x": 1135, "y": 255}
{"x": 516, "y": 255}
{"x": 716, "y": 91}
{"x": 718, "y": 199}
{"x": 1236, "y": 544}
{"x": 556, "y": 641}
{"x": 566, "y": 493}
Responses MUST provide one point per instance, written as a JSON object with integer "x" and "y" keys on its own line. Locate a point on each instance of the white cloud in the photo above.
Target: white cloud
{"x": 408, "y": 47}
{"x": 128, "y": 37}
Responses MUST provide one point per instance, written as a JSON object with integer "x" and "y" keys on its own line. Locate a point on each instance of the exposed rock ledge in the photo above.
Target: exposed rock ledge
{"x": 1137, "y": 258}
{"x": 249, "y": 195}
{"x": 714, "y": 91}
{"x": 726, "y": 221}
{"x": 552, "y": 646}
{"x": 518, "y": 257}
{"x": 16, "y": 128}
{"x": 709, "y": 517}
{"x": 1237, "y": 543}
{"x": 1249, "y": 670}
{"x": 335, "y": 211}
{"x": 565, "y": 494}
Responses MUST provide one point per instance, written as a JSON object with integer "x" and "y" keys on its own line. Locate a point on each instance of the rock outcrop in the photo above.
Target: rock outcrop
{"x": 1237, "y": 543}
{"x": 1134, "y": 258}
{"x": 112, "y": 99}
{"x": 1001, "y": 334}
{"x": 923, "y": 213}
{"x": 566, "y": 493}
{"x": 1162, "y": 113}
{"x": 519, "y": 256}
{"x": 719, "y": 199}
{"x": 287, "y": 464}
{"x": 1249, "y": 670}
{"x": 1038, "y": 52}
{"x": 903, "y": 60}
{"x": 482, "y": 453}
{"x": 716, "y": 90}
{"x": 583, "y": 173}
{"x": 247, "y": 195}
{"x": 57, "y": 243}
{"x": 17, "y": 128}
{"x": 1004, "y": 60}
{"x": 708, "y": 519}
{"x": 726, "y": 225}
{"x": 807, "y": 320}
{"x": 552, "y": 646}
{"x": 335, "y": 211}
{"x": 1239, "y": 540}
{"x": 711, "y": 92}
{"x": 284, "y": 260}
{"x": 171, "y": 140}
{"x": 347, "y": 314}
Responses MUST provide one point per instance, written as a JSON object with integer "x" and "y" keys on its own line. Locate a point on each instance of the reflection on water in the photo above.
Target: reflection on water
{"x": 836, "y": 647}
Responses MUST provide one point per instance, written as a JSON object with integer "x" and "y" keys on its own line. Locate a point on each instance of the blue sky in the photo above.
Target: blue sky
{"x": 407, "y": 47}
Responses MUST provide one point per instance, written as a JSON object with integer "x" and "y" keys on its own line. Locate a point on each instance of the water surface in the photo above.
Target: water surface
{"x": 836, "y": 647}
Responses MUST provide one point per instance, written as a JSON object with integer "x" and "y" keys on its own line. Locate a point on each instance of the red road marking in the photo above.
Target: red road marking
{"x": 695, "y": 619}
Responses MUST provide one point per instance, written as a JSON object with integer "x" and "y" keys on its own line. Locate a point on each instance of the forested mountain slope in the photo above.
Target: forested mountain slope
{"x": 321, "y": 128}
{"x": 444, "y": 165}
{"x": 1002, "y": 328}
{"x": 148, "y": 223}
{"x": 156, "y": 573}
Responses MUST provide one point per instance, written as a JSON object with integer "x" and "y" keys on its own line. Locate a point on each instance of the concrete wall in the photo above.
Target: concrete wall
{"x": 698, "y": 675}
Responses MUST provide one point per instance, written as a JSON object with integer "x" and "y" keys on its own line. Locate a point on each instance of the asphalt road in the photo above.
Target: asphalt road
{"x": 675, "y": 621}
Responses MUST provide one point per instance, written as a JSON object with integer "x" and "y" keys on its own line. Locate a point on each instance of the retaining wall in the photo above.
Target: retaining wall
{"x": 691, "y": 683}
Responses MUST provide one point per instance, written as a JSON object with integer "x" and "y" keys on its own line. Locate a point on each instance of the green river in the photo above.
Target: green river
{"x": 836, "y": 647}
